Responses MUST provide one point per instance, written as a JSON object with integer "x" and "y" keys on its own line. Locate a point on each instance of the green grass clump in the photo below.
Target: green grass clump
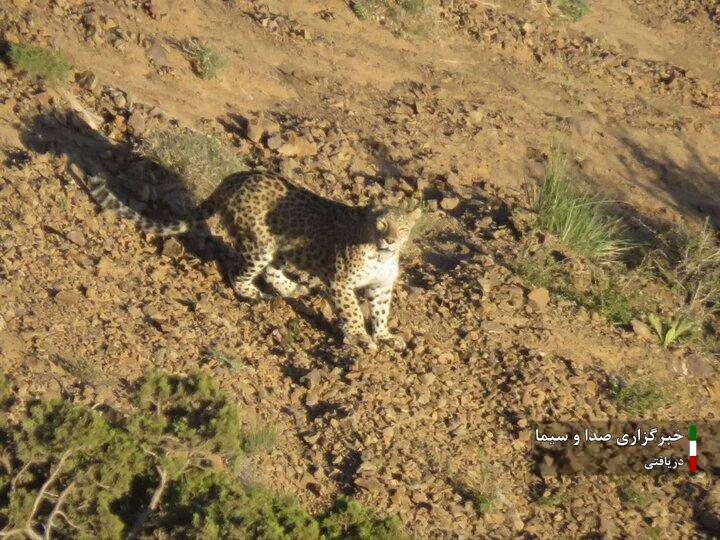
{"x": 361, "y": 8}
{"x": 571, "y": 9}
{"x": 641, "y": 397}
{"x": 165, "y": 469}
{"x": 205, "y": 61}
{"x": 575, "y": 216}
{"x": 50, "y": 66}
{"x": 202, "y": 161}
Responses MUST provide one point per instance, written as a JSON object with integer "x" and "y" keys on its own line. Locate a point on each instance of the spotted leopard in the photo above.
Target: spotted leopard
{"x": 275, "y": 224}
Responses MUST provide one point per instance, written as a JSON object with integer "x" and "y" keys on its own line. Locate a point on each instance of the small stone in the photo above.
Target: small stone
{"x": 527, "y": 28}
{"x": 77, "y": 238}
{"x": 87, "y": 80}
{"x": 538, "y": 298}
{"x": 106, "y": 267}
{"x": 120, "y": 100}
{"x": 449, "y": 203}
{"x": 274, "y": 142}
{"x": 254, "y": 131}
{"x": 287, "y": 149}
{"x": 492, "y": 327}
{"x": 476, "y": 117}
{"x": 158, "y": 8}
{"x": 172, "y": 248}
{"x": 699, "y": 368}
{"x": 427, "y": 378}
{"x": 136, "y": 123}
{"x": 642, "y": 330}
{"x": 68, "y": 298}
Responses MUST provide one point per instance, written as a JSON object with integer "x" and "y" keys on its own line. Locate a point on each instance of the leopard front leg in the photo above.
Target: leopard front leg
{"x": 380, "y": 300}
{"x": 348, "y": 308}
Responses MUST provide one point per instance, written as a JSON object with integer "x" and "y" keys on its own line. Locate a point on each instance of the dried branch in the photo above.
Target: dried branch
{"x": 154, "y": 502}
{"x": 57, "y": 510}
{"x": 51, "y": 479}
{"x": 22, "y": 470}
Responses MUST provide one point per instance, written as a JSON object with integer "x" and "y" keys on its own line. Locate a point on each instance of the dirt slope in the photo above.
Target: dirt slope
{"x": 462, "y": 112}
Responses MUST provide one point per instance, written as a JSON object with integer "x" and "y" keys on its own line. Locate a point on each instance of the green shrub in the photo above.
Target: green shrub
{"x": 69, "y": 471}
{"x": 205, "y": 61}
{"x": 37, "y": 61}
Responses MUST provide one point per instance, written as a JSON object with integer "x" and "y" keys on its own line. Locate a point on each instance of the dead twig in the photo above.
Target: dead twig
{"x": 154, "y": 502}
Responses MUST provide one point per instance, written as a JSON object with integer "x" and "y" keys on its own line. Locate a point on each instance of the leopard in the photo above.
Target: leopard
{"x": 277, "y": 226}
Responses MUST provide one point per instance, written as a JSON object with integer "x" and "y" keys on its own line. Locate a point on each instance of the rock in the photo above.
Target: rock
{"x": 172, "y": 248}
{"x": 492, "y": 327}
{"x": 449, "y": 203}
{"x": 68, "y": 298}
{"x": 77, "y": 238}
{"x": 254, "y": 131}
{"x": 476, "y": 117}
{"x": 158, "y": 54}
{"x": 106, "y": 267}
{"x": 427, "y": 378}
{"x": 642, "y": 330}
{"x": 538, "y": 298}
{"x": 158, "y": 8}
{"x": 274, "y": 142}
{"x": 699, "y": 367}
{"x": 87, "y": 80}
{"x": 136, "y": 123}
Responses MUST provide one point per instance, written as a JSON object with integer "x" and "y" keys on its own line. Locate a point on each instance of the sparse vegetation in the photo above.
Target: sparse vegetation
{"x": 406, "y": 14}
{"x": 636, "y": 495}
{"x": 226, "y": 359}
{"x": 259, "y": 438}
{"x": 689, "y": 263}
{"x": 571, "y": 9}
{"x": 480, "y": 486}
{"x": 670, "y": 332}
{"x": 641, "y": 397}
{"x": 205, "y": 61}
{"x": 576, "y": 217}
{"x": 50, "y": 66}
{"x": 560, "y": 498}
{"x": 68, "y": 471}
{"x": 201, "y": 160}
{"x": 606, "y": 293}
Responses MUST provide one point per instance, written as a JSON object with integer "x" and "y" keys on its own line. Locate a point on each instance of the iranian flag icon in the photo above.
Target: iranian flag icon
{"x": 693, "y": 448}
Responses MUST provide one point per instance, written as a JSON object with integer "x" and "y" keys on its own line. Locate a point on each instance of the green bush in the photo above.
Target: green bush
{"x": 69, "y": 471}
{"x": 37, "y": 61}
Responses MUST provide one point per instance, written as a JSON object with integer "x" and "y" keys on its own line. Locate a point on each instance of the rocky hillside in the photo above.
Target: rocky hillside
{"x": 458, "y": 104}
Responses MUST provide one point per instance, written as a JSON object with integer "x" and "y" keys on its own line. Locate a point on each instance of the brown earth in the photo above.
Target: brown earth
{"x": 460, "y": 111}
